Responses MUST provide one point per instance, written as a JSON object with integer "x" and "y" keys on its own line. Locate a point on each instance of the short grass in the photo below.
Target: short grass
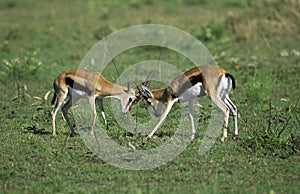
{"x": 249, "y": 38}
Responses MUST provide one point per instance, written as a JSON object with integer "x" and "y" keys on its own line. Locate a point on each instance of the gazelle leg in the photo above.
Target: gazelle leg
{"x": 60, "y": 99}
{"x": 163, "y": 117}
{"x": 56, "y": 108}
{"x": 72, "y": 100}
{"x": 94, "y": 113}
{"x": 224, "y": 109}
{"x": 191, "y": 103}
{"x": 225, "y": 128}
{"x": 233, "y": 109}
{"x": 100, "y": 104}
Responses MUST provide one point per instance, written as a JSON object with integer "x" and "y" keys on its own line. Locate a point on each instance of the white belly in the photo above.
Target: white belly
{"x": 79, "y": 93}
{"x": 192, "y": 92}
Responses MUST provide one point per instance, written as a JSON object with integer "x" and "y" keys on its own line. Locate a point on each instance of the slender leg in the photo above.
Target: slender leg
{"x": 100, "y": 104}
{"x": 163, "y": 117}
{"x": 60, "y": 98}
{"x": 94, "y": 113}
{"x": 65, "y": 110}
{"x": 191, "y": 103}
{"x": 225, "y": 110}
{"x": 158, "y": 109}
{"x": 233, "y": 109}
{"x": 56, "y": 108}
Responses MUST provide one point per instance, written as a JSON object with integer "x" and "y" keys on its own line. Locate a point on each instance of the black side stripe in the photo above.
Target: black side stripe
{"x": 189, "y": 83}
{"x": 70, "y": 82}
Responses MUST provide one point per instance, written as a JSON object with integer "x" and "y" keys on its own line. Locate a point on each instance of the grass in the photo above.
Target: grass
{"x": 245, "y": 37}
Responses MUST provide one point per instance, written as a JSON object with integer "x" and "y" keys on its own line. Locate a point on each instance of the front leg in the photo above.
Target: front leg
{"x": 94, "y": 113}
{"x": 191, "y": 103}
{"x": 100, "y": 104}
{"x": 65, "y": 109}
{"x": 163, "y": 117}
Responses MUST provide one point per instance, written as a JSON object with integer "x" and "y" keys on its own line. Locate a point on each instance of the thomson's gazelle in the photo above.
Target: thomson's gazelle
{"x": 211, "y": 81}
{"x": 81, "y": 83}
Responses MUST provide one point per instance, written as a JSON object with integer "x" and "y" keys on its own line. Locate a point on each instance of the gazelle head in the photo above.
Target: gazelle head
{"x": 127, "y": 99}
{"x": 141, "y": 92}
{"x": 148, "y": 96}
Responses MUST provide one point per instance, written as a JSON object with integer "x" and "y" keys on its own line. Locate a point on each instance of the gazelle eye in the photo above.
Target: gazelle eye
{"x": 130, "y": 99}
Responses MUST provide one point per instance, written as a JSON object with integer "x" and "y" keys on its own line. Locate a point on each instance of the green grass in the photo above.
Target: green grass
{"x": 245, "y": 37}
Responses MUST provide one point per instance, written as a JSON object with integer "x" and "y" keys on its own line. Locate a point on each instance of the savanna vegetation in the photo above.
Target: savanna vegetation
{"x": 257, "y": 41}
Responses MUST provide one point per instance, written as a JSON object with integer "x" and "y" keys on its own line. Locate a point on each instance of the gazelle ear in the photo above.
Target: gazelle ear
{"x": 147, "y": 92}
{"x": 128, "y": 87}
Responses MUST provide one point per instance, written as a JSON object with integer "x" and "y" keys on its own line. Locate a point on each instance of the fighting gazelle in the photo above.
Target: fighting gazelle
{"x": 211, "y": 81}
{"x": 81, "y": 83}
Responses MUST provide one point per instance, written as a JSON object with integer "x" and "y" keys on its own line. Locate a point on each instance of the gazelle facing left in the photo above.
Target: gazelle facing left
{"x": 81, "y": 83}
{"x": 211, "y": 81}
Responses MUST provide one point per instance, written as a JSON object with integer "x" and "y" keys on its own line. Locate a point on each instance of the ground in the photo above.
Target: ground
{"x": 256, "y": 41}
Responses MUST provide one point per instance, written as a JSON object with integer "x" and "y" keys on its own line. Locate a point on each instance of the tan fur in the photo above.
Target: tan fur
{"x": 210, "y": 77}
{"x": 94, "y": 85}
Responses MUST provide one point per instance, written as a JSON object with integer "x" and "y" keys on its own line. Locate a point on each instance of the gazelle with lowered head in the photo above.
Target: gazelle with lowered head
{"x": 78, "y": 83}
{"x": 209, "y": 80}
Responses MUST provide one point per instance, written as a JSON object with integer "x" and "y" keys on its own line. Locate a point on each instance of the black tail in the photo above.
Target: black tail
{"x": 232, "y": 79}
{"x": 54, "y": 96}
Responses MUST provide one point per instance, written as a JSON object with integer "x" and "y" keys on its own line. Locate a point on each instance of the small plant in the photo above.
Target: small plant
{"x": 18, "y": 71}
{"x": 43, "y": 111}
{"x": 273, "y": 131}
{"x": 259, "y": 90}
{"x": 103, "y": 31}
{"x": 5, "y": 47}
{"x": 9, "y": 4}
{"x": 213, "y": 31}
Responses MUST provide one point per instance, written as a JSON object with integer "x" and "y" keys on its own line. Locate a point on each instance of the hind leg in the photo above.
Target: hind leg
{"x": 65, "y": 108}
{"x": 191, "y": 111}
{"x": 94, "y": 113}
{"x": 100, "y": 104}
{"x": 225, "y": 110}
{"x": 60, "y": 98}
{"x": 233, "y": 109}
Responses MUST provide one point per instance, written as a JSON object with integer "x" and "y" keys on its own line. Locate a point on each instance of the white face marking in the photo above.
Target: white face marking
{"x": 126, "y": 102}
{"x": 191, "y": 93}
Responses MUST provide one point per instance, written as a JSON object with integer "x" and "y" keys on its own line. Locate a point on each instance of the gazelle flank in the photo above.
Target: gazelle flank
{"x": 78, "y": 83}
{"x": 211, "y": 81}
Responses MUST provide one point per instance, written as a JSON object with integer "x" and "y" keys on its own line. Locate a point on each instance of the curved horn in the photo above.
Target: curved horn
{"x": 147, "y": 81}
{"x": 141, "y": 92}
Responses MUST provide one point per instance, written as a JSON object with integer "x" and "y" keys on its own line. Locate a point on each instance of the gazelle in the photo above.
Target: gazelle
{"x": 211, "y": 81}
{"x": 81, "y": 83}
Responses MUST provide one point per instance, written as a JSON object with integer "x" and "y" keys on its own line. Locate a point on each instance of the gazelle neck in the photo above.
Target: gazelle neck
{"x": 161, "y": 94}
{"x": 110, "y": 89}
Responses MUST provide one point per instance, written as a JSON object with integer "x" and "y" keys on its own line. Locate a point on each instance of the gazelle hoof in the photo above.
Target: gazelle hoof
{"x": 193, "y": 137}
{"x": 235, "y": 137}
{"x": 223, "y": 139}
{"x": 148, "y": 137}
{"x": 93, "y": 134}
